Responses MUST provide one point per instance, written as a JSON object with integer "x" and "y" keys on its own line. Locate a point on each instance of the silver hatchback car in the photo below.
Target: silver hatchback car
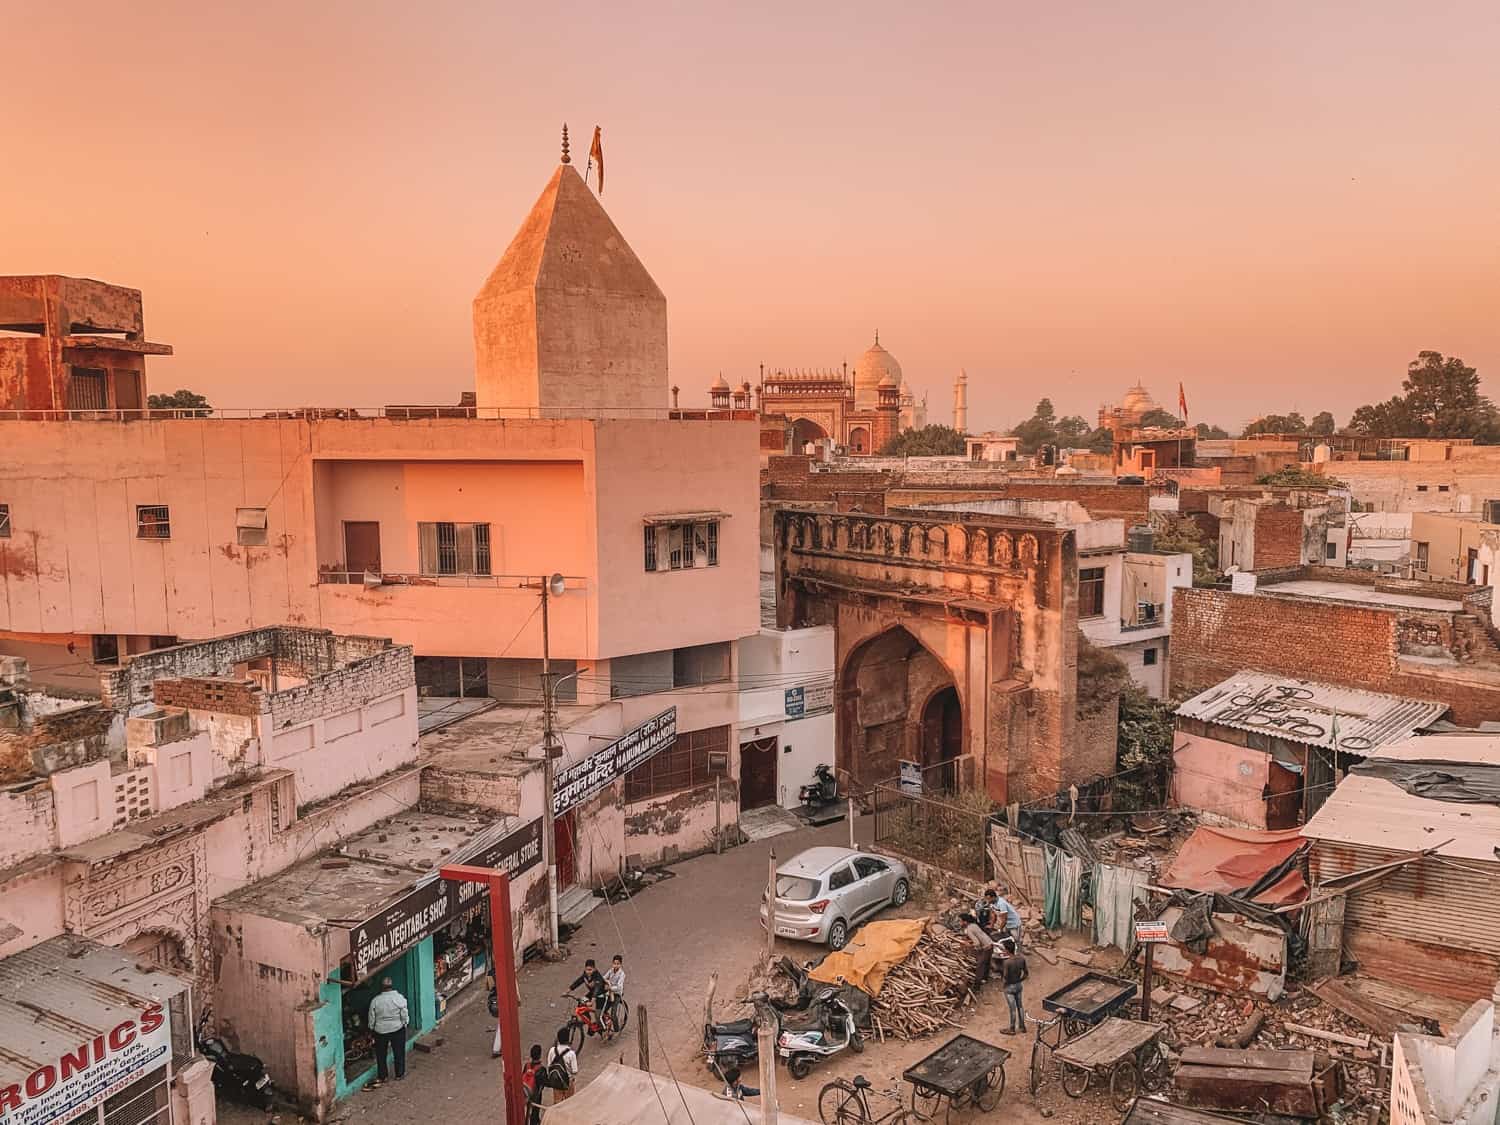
{"x": 823, "y": 893}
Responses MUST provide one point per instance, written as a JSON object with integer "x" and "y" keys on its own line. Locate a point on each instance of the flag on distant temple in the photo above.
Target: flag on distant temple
{"x": 596, "y": 157}
{"x": 1181, "y": 402}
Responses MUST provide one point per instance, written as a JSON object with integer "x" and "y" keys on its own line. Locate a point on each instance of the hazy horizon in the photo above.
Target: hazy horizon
{"x": 1278, "y": 208}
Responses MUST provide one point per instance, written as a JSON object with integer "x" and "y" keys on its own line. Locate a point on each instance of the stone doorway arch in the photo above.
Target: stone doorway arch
{"x": 888, "y": 685}
{"x": 160, "y": 949}
{"x": 805, "y": 431}
{"x": 942, "y": 738}
{"x": 859, "y": 440}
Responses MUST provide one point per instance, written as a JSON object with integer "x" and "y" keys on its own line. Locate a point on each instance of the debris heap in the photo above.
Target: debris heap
{"x": 925, "y": 992}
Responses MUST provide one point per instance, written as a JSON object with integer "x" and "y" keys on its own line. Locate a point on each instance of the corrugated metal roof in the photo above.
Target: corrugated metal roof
{"x": 1305, "y": 710}
{"x": 1380, "y": 814}
{"x": 1482, "y": 748}
{"x": 65, "y": 991}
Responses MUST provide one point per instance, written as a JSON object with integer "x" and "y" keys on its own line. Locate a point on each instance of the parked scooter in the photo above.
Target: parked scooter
{"x": 730, "y": 1044}
{"x": 823, "y": 789}
{"x": 835, "y": 1031}
{"x": 240, "y": 1078}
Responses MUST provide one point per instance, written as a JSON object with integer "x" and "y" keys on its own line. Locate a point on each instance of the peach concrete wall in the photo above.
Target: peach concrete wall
{"x": 74, "y": 566}
{"x": 333, "y": 751}
{"x": 28, "y": 821}
{"x": 645, "y": 468}
{"x": 1221, "y": 779}
{"x": 32, "y": 902}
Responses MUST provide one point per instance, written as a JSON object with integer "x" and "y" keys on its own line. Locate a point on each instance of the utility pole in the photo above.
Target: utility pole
{"x": 551, "y": 587}
{"x": 771, "y": 908}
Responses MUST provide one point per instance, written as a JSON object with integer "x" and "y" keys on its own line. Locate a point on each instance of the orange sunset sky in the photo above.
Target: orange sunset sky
{"x": 1278, "y": 204}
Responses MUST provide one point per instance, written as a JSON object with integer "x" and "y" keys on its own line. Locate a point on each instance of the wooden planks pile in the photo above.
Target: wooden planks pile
{"x": 1294, "y": 1083}
{"x": 924, "y": 993}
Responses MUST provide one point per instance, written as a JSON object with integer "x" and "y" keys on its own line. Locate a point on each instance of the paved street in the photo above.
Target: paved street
{"x": 673, "y": 935}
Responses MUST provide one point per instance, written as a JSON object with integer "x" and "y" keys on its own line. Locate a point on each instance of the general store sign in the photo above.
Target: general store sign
{"x": 1148, "y": 933}
{"x": 96, "y": 1069}
{"x": 437, "y": 902}
{"x": 809, "y": 699}
{"x": 582, "y": 780}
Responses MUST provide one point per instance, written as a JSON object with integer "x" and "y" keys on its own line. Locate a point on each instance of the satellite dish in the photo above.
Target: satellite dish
{"x": 556, "y": 585}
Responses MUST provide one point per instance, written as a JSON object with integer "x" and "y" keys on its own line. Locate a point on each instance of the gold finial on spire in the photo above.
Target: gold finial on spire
{"x": 877, "y": 331}
{"x": 566, "y": 159}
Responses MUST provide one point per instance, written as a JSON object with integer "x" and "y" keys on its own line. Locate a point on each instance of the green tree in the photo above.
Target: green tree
{"x": 1181, "y": 535}
{"x": 1038, "y": 430}
{"x": 1157, "y": 418}
{"x": 1101, "y": 440}
{"x": 1440, "y": 399}
{"x": 930, "y": 441}
{"x": 1292, "y": 423}
{"x": 1322, "y": 423}
{"x": 1070, "y": 431}
{"x": 179, "y": 400}
{"x": 1211, "y": 433}
{"x": 1295, "y": 476}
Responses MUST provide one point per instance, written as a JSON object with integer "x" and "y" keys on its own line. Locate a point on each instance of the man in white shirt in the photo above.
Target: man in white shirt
{"x": 562, "y": 1058}
{"x": 388, "y": 1022}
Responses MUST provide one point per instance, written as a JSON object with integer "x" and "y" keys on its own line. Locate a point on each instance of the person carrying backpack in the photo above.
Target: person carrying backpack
{"x": 531, "y": 1084}
{"x": 562, "y": 1067}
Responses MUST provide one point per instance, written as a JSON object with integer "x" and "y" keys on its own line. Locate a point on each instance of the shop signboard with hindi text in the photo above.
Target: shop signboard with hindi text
{"x": 808, "y": 699}
{"x": 432, "y": 905}
{"x": 62, "y": 1089}
{"x": 582, "y": 780}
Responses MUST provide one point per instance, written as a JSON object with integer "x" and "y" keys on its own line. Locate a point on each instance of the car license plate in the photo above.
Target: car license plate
{"x": 787, "y": 931}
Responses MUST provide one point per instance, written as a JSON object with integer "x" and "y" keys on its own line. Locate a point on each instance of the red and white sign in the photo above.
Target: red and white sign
{"x": 1151, "y": 932}
{"x": 96, "y": 1069}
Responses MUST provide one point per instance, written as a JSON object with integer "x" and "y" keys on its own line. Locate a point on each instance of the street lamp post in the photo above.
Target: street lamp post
{"x": 551, "y": 588}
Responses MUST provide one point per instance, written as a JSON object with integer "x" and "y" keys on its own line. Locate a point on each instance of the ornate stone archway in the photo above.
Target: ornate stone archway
{"x": 885, "y": 682}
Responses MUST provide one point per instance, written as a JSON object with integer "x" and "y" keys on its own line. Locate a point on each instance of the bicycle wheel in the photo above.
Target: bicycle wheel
{"x": 575, "y": 1034}
{"x": 1152, "y": 1061}
{"x": 1041, "y": 1066}
{"x": 924, "y": 1100}
{"x": 988, "y": 1089}
{"x": 1075, "y": 1080}
{"x": 620, "y": 1013}
{"x": 838, "y": 1104}
{"x": 1124, "y": 1084}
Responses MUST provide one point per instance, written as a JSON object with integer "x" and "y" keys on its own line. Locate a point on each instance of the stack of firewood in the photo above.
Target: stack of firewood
{"x": 925, "y": 992}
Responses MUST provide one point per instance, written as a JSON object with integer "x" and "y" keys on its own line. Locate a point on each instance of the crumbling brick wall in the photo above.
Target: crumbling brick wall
{"x": 374, "y": 677}
{"x": 230, "y": 697}
{"x": 1217, "y": 634}
{"x": 1278, "y": 536}
{"x": 57, "y": 741}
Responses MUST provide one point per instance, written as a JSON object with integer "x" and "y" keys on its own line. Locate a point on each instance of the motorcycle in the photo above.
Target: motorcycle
{"x": 823, "y": 789}
{"x": 835, "y": 1031}
{"x": 239, "y": 1077}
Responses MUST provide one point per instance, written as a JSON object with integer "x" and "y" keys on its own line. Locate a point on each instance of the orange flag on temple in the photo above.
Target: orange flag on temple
{"x": 1181, "y": 397}
{"x": 596, "y": 157}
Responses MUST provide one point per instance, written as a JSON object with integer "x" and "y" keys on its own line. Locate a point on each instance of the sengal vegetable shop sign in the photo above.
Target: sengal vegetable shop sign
{"x": 582, "y": 780}
{"x": 98, "y": 1068}
{"x": 437, "y": 902}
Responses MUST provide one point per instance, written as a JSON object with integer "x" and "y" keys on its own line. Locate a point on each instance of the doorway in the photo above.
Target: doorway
{"x": 942, "y": 738}
{"x": 758, "y": 774}
{"x": 361, "y": 547}
{"x": 565, "y": 847}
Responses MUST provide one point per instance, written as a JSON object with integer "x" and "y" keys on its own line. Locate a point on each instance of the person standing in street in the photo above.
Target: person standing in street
{"x": 388, "y": 1021}
{"x": 1008, "y": 918}
{"x": 562, "y": 1067}
{"x": 1013, "y": 971}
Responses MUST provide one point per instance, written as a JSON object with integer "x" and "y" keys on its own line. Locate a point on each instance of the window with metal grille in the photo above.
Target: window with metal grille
{"x": 682, "y": 546}
{"x": 1091, "y": 592}
{"x": 5, "y": 522}
{"x": 153, "y": 521}
{"x": 143, "y": 1102}
{"x": 454, "y": 548}
{"x": 86, "y": 389}
{"x": 695, "y": 758}
{"x": 250, "y": 527}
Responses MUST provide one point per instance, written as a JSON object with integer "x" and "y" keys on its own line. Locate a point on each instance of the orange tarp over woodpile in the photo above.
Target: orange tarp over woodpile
{"x": 1230, "y": 860}
{"x": 871, "y": 953}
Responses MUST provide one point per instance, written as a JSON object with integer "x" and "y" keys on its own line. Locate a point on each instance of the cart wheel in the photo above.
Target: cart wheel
{"x": 924, "y": 1100}
{"x": 799, "y": 1066}
{"x": 1075, "y": 1080}
{"x": 1153, "y": 1065}
{"x": 839, "y": 1105}
{"x": 988, "y": 1089}
{"x": 1041, "y": 1065}
{"x": 1124, "y": 1084}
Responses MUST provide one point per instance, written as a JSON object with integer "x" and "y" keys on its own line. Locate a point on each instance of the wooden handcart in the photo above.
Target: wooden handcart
{"x": 963, "y": 1072}
{"x": 1128, "y": 1052}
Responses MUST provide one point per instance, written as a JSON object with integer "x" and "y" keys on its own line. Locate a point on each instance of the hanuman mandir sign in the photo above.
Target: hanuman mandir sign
{"x": 582, "y": 780}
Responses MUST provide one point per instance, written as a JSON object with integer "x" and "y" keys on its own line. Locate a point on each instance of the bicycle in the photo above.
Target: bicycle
{"x": 1041, "y": 1053}
{"x": 588, "y": 1020}
{"x": 848, "y": 1103}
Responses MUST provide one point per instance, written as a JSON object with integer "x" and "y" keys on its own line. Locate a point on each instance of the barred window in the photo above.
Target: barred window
{"x": 453, "y": 548}
{"x": 711, "y": 532}
{"x": 694, "y": 759}
{"x": 650, "y": 547}
{"x": 153, "y": 521}
{"x": 5, "y": 522}
{"x": 681, "y": 546}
